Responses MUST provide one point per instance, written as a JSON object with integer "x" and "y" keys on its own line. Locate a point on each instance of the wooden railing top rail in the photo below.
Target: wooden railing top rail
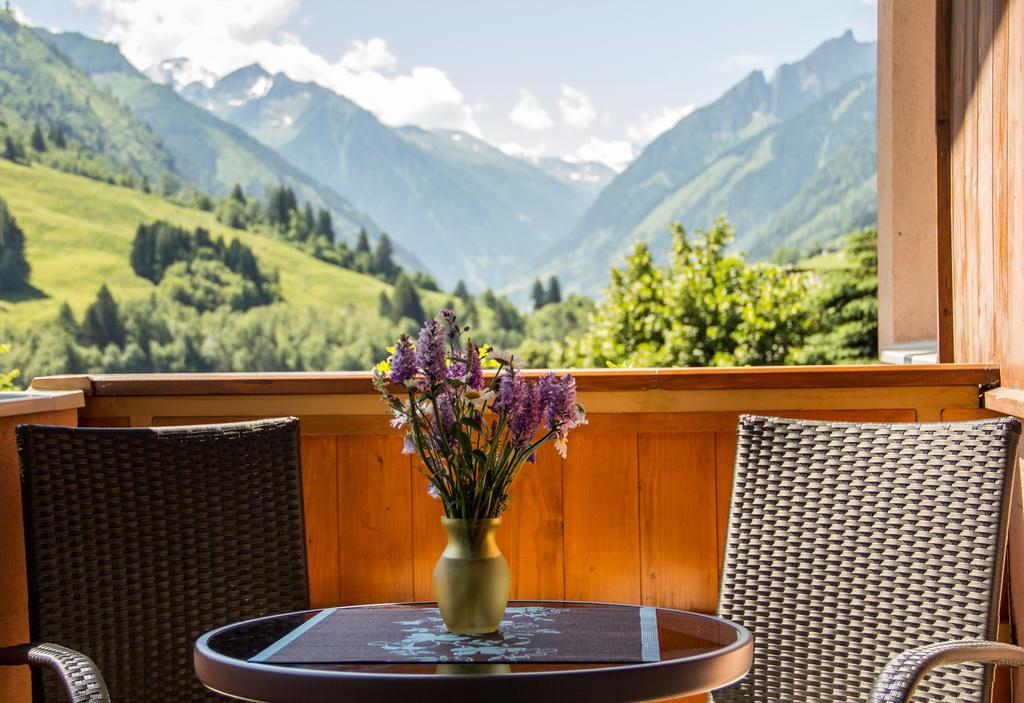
{"x": 33, "y": 402}
{"x": 588, "y": 380}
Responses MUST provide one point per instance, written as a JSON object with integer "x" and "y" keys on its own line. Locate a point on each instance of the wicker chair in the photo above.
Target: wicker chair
{"x": 863, "y": 556}
{"x": 140, "y": 540}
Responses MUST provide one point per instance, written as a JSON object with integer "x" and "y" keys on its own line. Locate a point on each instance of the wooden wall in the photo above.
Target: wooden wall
{"x": 636, "y": 513}
{"x": 980, "y": 94}
{"x": 986, "y": 180}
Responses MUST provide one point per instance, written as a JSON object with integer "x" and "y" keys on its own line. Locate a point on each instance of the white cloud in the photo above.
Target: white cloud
{"x": 528, "y": 113}
{"x": 744, "y": 61}
{"x": 651, "y": 125}
{"x": 370, "y": 55}
{"x": 222, "y": 35}
{"x": 20, "y": 17}
{"x": 614, "y": 154}
{"x": 576, "y": 107}
{"x": 529, "y": 153}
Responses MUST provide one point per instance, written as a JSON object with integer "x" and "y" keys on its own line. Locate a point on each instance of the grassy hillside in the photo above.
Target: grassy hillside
{"x": 79, "y": 235}
{"x": 40, "y": 86}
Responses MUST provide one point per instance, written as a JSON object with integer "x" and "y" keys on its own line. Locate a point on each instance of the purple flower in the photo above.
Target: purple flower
{"x": 448, "y": 315}
{"x": 558, "y": 398}
{"x": 403, "y": 361}
{"x": 443, "y": 420}
{"x": 445, "y": 410}
{"x": 475, "y": 370}
{"x": 527, "y": 414}
{"x": 510, "y": 388}
{"x": 430, "y": 351}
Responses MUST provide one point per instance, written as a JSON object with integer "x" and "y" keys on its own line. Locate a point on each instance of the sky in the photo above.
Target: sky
{"x": 583, "y": 79}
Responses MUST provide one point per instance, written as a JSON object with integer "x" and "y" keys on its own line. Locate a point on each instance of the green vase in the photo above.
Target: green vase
{"x": 472, "y": 578}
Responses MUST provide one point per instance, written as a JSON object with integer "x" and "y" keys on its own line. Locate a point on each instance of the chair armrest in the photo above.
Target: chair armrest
{"x": 79, "y": 675}
{"x": 903, "y": 673}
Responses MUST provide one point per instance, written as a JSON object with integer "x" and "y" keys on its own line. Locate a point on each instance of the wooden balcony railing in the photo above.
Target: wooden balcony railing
{"x": 636, "y": 513}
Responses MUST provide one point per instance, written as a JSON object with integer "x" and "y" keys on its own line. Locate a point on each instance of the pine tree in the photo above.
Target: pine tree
{"x": 461, "y": 292}
{"x": 237, "y": 195}
{"x": 37, "y": 141}
{"x": 12, "y": 150}
{"x": 102, "y": 323}
{"x": 308, "y": 219}
{"x": 324, "y": 225}
{"x": 249, "y": 268}
{"x": 406, "y": 301}
{"x": 383, "y": 263}
{"x": 554, "y": 292}
{"x": 384, "y": 305}
{"x": 538, "y": 295}
{"x": 57, "y": 137}
{"x": 14, "y": 267}
{"x": 280, "y": 205}
{"x": 66, "y": 319}
{"x": 143, "y": 256}
{"x": 363, "y": 243}
{"x": 276, "y": 213}
{"x": 170, "y": 244}
{"x": 233, "y": 255}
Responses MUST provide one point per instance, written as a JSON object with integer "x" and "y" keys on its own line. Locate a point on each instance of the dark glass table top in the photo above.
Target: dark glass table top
{"x": 697, "y": 653}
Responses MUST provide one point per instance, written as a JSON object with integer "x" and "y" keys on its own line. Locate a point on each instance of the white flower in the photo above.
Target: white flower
{"x": 562, "y": 447}
{"x": 479, "y": 399}
{"x": 433, "y": 492}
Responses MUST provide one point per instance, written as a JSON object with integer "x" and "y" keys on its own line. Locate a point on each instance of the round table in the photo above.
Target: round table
{"x": 697, "y": 653}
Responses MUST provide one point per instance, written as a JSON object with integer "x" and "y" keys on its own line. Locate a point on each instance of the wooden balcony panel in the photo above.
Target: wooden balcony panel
{"x": 637, "y": 512}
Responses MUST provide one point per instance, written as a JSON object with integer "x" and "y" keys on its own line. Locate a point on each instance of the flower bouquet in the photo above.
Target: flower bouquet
{"x": 472, "y": 434}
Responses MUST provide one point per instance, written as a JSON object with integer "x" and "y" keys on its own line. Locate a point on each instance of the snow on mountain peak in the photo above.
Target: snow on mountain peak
{"x": 261, "y": 87}
{"x": 180, "y": 72}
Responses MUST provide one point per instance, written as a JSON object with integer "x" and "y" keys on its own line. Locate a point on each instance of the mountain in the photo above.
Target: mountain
{"x": 752, "y": 154}
{"x": 40, "y": 86}
{"x": 588, "y": 177}
{"x": 766, "y": 174}
{"x": 179, "y": 72}
{"x": 208, "y": 152}
{"x": 468, "y": 210}
{"x": 841, "y": 196}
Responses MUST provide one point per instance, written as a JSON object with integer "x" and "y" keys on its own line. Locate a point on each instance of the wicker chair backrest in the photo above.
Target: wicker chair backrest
{"x": 849, "y": 543}
{"x": 140, "y": 540}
